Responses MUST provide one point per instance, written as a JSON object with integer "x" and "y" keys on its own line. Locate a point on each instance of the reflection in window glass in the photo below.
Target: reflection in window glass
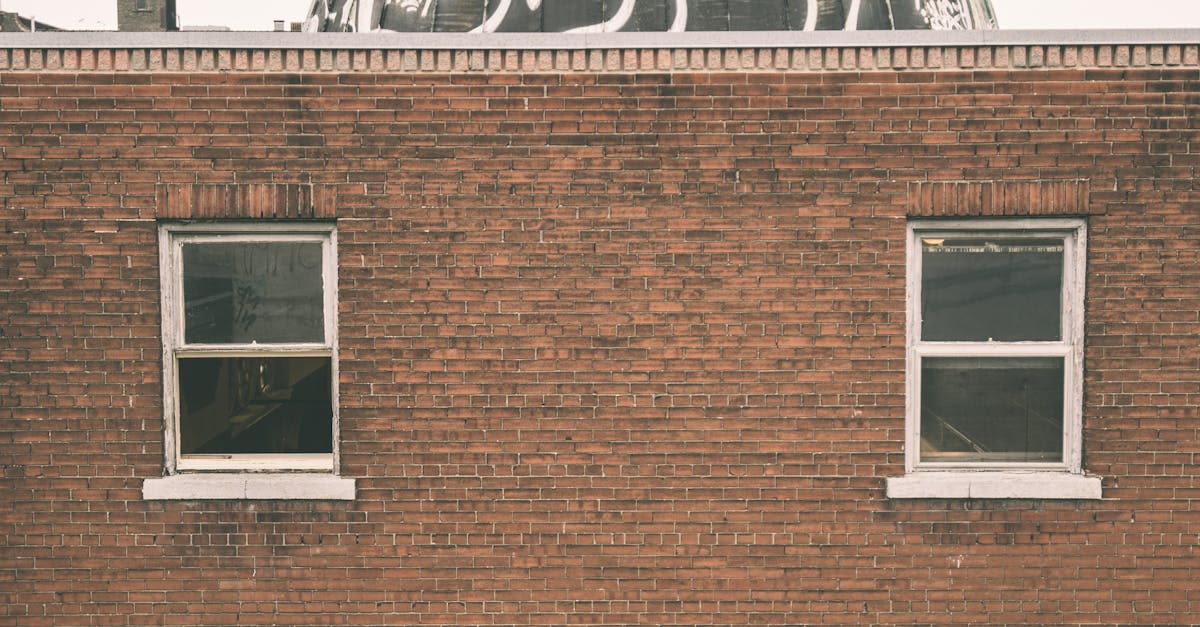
{"x": 265, "y": 292}
{"x": 992, "y": 409}
{"x": 1002, "y": 290}
{"x": 230, "y": 405}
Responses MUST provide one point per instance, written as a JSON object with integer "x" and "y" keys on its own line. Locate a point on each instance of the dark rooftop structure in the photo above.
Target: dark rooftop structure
{"x": 607, "y": 16}
{"x": 11, "y": 22}
{"x": 147, "y": 15}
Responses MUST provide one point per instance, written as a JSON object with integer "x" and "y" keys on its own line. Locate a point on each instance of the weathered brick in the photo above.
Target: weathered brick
{"x": 621, "y": 333}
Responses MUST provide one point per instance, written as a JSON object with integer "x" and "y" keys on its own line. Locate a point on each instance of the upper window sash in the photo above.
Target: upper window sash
{"x": 1070, "y": 232}
{"x": 177, "y": 237}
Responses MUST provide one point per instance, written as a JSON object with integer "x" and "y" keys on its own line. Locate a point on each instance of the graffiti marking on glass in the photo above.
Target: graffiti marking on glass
{"x": 253, "y": 292}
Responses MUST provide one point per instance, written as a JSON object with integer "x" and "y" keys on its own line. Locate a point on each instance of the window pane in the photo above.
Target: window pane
{"x": 978, "y": 289}
{"x": 233, "y": 405}
{"x": 266, "y": 292}
{"x": 992, "y": 409}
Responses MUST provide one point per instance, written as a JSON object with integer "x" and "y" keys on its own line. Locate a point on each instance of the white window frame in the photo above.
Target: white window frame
{"x": 288, "y": 476}
{"x": 999, "y": 479}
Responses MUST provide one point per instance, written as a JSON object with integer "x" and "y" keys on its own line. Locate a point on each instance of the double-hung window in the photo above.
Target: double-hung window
{"x": 249, "y": 362}
{"x": 995, "y": 360}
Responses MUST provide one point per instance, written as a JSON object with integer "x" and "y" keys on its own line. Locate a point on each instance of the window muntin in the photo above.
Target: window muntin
{"x": 249, "y": 337}
{"x": 995, "y": 344}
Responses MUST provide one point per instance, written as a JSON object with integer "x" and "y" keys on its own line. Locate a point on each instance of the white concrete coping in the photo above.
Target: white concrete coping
{"x": 240, "y": 486}
{"x": 993, "y": 485}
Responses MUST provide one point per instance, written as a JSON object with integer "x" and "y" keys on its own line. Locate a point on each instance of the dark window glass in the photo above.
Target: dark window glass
{"x": 992, "y": 409}
{"x": 1003, "y": 290}
{"x": 230, "y": 405}
{"x": 266, "y": 292}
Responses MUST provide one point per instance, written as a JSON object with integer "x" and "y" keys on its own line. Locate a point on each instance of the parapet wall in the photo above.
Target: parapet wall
{"x": 625, "y": 52}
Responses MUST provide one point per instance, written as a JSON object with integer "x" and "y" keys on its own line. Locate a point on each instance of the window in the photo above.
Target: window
{"x": 995, "y": 360}
{"x": 140, "y": 5}
{"x": 249, "y": 338}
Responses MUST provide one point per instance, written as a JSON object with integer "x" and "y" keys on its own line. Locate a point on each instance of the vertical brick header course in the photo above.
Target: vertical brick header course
{"x": 894, "y": 51}
{"x": 998, "y": 198}
{"x": 248, "y": 201}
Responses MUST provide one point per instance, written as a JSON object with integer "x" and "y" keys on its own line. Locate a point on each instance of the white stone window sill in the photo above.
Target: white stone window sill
{"x": 993, "y": 485}
{"x": 274, "y": 486}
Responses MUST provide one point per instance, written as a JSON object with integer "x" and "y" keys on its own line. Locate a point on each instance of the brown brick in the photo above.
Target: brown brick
{"x": 616, "y": 346}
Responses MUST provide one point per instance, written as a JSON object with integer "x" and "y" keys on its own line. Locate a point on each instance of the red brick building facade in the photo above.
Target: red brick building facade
{"x": 619, "y": 335}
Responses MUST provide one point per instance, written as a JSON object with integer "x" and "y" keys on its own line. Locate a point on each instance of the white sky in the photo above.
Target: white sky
{"x": 260, "y": 14}
{"x": 102, "y": 14}
{"x": 1033, "y": 14}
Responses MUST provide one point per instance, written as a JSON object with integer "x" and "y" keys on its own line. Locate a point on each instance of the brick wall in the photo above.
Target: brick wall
{"x": 616, "y": 346}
